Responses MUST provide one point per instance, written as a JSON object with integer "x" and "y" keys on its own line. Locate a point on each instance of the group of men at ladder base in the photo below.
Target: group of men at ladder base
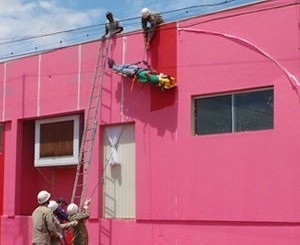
{"x": 136, "y": 72}
{"x": 50, "y": 222}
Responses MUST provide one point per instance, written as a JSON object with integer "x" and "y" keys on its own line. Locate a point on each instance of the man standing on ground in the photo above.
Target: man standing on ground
{"x": 80, "y": 232}
{"x": 42, "y": 221}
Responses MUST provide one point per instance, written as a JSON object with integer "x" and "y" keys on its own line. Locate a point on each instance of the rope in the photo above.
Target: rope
{"x": 45, "y": 177}
{"x": 101, "y": 177}
{"x": 241, "y": 41}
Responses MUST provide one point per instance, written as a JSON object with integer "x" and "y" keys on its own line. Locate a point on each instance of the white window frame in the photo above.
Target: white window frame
{"x": 57, "y": 160}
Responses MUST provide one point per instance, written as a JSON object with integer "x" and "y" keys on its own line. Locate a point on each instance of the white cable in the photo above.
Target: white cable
{"x": 292, "y": 78}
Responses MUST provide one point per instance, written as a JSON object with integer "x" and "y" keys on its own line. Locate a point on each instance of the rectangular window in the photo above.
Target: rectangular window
{"x": 236, "y": 112}
{"x": 57, "y": 141}
{"x": 119, "y": 171}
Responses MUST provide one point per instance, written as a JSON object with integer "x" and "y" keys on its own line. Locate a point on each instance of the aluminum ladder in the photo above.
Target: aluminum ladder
{"x": 90, "y": 126}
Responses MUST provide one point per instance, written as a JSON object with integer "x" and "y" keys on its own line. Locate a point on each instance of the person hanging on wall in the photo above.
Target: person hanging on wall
{"x": 153, "y": 20}
{"x": 143, "y": 74}
{"x": 113, "y": 26}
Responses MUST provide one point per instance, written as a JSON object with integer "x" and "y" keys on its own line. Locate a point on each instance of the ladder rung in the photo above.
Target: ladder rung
{"x": 77, "y": 197}
{"x": 91, "y": 122}
{"x": 80, "y": 185}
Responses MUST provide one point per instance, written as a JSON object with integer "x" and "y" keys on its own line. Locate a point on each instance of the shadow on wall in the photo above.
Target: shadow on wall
{"x": 149, "y": 103}
{"x": 138, "y": 101}
{"x": 163, "y": 56}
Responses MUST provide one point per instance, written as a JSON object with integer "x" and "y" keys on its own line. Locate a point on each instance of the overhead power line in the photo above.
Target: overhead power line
{"x": 45, "y": 42}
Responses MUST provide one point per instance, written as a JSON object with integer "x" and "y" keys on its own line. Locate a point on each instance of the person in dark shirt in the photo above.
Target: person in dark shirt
{"x": 113, "y": 26}
{"x": 62, "y": 215}
{"x": 60, "y": 212}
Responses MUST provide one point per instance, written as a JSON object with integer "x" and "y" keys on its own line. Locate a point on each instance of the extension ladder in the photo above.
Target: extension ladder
{"x": 90, "y": 126}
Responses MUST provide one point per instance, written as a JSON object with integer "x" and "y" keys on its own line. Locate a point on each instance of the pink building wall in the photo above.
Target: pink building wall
{"x": 237, "y": 188}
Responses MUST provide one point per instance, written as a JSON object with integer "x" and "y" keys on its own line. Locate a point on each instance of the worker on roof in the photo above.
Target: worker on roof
{"x": 153, "y": 20}
{"x": 113, "y": 26}
{"x": 143, "y": 74}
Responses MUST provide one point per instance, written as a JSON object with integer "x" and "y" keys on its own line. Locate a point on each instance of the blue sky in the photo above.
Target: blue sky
{"x": 30, "y": 26}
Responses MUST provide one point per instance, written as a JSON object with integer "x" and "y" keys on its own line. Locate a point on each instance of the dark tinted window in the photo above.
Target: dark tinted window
{"x": 247, "y": 111}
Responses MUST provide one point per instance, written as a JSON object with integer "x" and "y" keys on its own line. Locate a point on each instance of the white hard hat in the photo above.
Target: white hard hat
{"x": 52, "y": 205}
{"x": 145, "y": 12}
{"x": 43, "y": 197}
{"x": 72, "y": 208}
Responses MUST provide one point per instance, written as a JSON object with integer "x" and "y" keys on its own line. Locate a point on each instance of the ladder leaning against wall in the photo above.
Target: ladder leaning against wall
{"x": 90, "y": 126}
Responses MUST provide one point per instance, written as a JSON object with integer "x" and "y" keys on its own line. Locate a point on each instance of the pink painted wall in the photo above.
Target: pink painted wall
{"x": 249, "y": 176}
{"x": 239, "y": 188}
{"x": 2, "y": 151}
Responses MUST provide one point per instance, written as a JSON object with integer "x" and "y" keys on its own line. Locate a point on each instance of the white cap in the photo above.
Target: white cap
{"x": 145, "y": 12}
{"x": 52, "y": 205}
{"x": 72, "y": 208}
{"x": 43, "y": 197}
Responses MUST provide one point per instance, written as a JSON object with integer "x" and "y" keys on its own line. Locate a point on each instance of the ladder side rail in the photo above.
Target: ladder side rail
{"x": 83, "y": 139}
{"x": 89, "y": 131}
{"x": 95, "y": 123}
